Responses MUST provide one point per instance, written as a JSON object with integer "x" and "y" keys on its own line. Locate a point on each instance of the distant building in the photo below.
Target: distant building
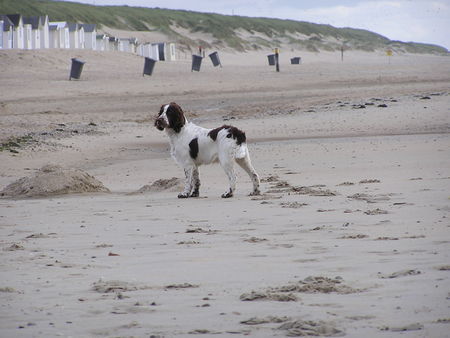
{"x": 75, "y": 38}
{"x": 59, "y": 34}
{"x": 158, "y": 51}
{"x": 171, "y": 51}
{"x": 90, "y": 36}
{"x": 113, "y": 43}
{"x": 128, "y": 45}
{"x": 6, "y": 32}
{"x": 33, "y": 30}
{"x": 149, "y": 50}
{"x": 27, "y": 38}
{"x": 18, "y": 35}
{"x": 102, "y": 42}
{"x": 44, "y": 28}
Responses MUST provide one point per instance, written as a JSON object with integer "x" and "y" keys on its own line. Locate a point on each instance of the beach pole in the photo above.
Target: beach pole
{"x": 389, "y": 54}
{"x": 277, "y": 64}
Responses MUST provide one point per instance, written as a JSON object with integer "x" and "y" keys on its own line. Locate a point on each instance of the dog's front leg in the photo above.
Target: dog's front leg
{"x": 189, "y": 173}
{"x": 195, "y": 183}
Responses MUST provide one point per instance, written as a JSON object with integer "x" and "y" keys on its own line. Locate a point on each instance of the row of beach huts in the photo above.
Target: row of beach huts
{"x": 37, "y": 32}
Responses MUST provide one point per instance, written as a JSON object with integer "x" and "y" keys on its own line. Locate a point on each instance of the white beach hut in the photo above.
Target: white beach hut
{"x": 90, "y": 36}
{"x": 27, "y": 38}
{"x": 1, "y": 33}
{"x": 59, "y": 34}
{"x": 124, "y": 45}
{"x": 148, "y": 50}
{"x": 18, "y": 35}
{"x": 166, "y": 51}
{"x": 32, "y": 29}
{"x": 171, "y": 51}
{"x": 74, "y": 39}
{"x": 44, "y": 32}
{"x": 7, "y": 32}
{"x": 102, "y": 43}
{"x": 53, "y": 36}
{"x": 81, "y": 37}
{"x": 113, "y": 43}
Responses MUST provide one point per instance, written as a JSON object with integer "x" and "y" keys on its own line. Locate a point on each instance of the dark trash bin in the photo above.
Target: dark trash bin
{"x": 75, "y": 70}
{"x": 161, "y": 51}
{"x": 196, "y": 62}
{"x": 295, "y": 60}
{"x": 149, "y": 64}
{"x": 271, "y": 59}
{"x": 215, "y": 59}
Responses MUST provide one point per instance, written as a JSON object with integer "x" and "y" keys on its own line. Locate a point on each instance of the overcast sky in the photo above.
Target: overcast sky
{"x": 425, "y": 21}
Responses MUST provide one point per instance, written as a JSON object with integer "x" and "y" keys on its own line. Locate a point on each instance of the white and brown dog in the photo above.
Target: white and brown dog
{"x": 192, "y": 145}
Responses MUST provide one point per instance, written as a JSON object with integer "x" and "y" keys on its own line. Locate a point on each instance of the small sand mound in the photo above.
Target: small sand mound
{"x": 102, "y": 286}
{"x": 300, "y": 328}
{"x": 53, "y": 180}
{"x": 318, "y": 284}
{"x": 170, "y": 184}
{"x": 308, "y": 285}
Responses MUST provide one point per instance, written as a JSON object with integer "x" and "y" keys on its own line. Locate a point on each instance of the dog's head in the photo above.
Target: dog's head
{"x": 170, "y": 116}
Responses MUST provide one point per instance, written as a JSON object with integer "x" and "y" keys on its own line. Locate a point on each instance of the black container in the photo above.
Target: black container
{"x": 75, "y": 70}
{"x": 196, "y": 62}
{"x": 215, "y": 59}
{"x": 148, "y": 66}
{"x": 161, "y": 51}
{"x": 271, "y": 59}
{"x": 295, "y": 61}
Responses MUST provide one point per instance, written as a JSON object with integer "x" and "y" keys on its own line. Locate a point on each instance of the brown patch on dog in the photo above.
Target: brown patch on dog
{"x": 233, "y": 132}
{"x": 176, "y": 117}
{"x": 193, "y": 148}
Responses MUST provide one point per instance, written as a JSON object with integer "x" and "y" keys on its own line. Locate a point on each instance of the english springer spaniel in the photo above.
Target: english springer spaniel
{"x": 192, "y": 145}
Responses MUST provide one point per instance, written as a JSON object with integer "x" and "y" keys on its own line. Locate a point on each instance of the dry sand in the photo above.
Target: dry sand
{"x": 349, "y": 237}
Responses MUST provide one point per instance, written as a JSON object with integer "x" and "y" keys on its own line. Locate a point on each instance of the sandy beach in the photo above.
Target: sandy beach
{"x": 350, "y": 236}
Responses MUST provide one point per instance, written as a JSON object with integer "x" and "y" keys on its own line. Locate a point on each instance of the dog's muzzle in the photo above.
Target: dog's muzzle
{"x": 160, "y": 124}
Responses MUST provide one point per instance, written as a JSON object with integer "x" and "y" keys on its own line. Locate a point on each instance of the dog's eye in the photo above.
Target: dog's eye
{"x": 229, "y": 135}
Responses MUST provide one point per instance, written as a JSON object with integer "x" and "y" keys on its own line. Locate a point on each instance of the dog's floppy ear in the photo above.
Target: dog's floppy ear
{"x": 175, "y": 116}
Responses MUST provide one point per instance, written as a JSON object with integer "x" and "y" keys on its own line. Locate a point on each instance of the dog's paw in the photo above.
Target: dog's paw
{"x": 195, "y": 194}
{"x": 255, "y": 193}
{"x": 183, "y": 195}
{"x": 228, "y": 194}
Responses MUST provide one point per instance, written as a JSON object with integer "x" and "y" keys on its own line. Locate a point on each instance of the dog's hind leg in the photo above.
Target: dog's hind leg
{"x": 227, "y": 166}
{"x": 246, "y": 164}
